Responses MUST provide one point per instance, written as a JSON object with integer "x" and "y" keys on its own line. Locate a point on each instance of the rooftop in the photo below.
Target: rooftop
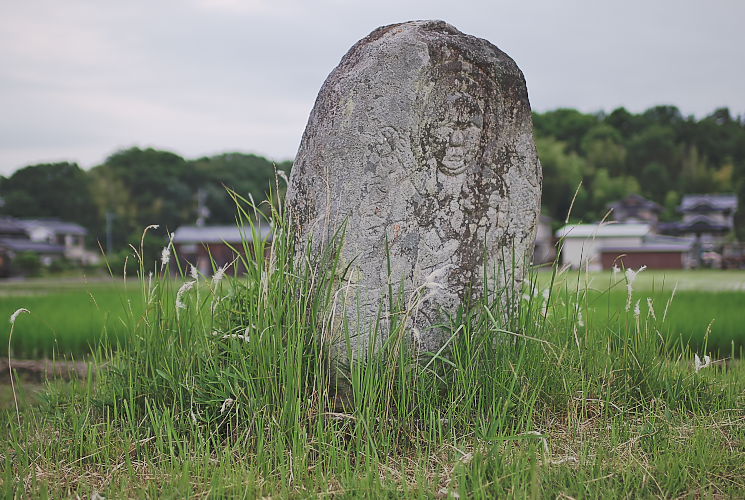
{"x": 709, "y": 201}
{"x": 18, "y": 245}
{"x": 217, "y": 234}
{"x": 10, "y": 225}
{"x": 55, "y": 225}
{"x": 633, "y": 201}
{"x": 605, "y": 230}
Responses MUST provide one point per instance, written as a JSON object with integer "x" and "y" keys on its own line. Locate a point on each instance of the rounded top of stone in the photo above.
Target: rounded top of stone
{"x": 428, "y": 26}
{"x": 436, "y": 35}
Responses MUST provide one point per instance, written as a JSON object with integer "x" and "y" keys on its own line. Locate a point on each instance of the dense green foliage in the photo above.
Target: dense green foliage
{"x": 137, "y": 188}
{"x": 50, "y": 190}
{"x": 659, "y": 154}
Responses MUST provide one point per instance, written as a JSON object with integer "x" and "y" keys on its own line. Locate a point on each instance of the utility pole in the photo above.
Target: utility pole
{"x": 109, "y": 230}
{"x": 202, "y": 211}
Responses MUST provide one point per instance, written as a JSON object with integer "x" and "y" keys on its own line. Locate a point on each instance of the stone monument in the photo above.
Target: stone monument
{"x": 420, "y": 146}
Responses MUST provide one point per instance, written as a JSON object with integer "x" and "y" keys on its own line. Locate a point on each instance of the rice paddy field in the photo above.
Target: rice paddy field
{"x": 222, "y": 389}
{"x": 70, "y": 317}
{"x": 702, "y": 308}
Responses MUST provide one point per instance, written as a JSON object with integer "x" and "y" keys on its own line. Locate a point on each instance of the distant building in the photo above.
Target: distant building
{"x": 602, "y": 246}
{"x": 68, "y": 235}
{"x": 202, "y": 245}
{"x": 11, "y": 247}
{"x": 655, "y": 252}
{"x": 10, "y": 227}
{"x": 707, "y": 217}
{"x": 544, "y": 250}
{"x": 635, "y": 208}
{"x": 582, "y": 243}
{"x": 14, "y": 240}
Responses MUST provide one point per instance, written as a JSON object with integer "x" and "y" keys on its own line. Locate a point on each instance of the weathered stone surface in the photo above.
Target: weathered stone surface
{"x": 421, "y": 142}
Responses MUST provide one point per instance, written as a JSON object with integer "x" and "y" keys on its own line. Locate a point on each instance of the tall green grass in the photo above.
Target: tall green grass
{"x": 232, "y": 387}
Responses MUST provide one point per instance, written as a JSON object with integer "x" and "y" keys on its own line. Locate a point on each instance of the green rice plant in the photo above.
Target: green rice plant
{"x": 69, "y": 319}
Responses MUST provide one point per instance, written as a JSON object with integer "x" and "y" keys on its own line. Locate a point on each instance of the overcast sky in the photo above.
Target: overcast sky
{"x": 82, "y": 79}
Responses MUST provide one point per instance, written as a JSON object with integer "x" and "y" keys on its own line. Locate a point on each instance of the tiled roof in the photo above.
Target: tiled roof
{"x": 715, "y": 201}
{"x": 55, "y": 225}
{"x": 19, "y": 245}
{"x": 10, "y": 225}
{"x": 217, "y": 234}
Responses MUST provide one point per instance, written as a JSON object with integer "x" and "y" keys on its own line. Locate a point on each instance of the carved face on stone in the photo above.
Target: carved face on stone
{"x": 457, "y": 139}
{"x": 451, "y": 134}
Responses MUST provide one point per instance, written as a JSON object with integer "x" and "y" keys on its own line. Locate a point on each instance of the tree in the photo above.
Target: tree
{"x": 60, "y": 190}
{"x": 566, "y": 125}
{"x": 250, "y": 176}
{"x": 145, "y": 187}
{"x": 562, "y": 175}
{"x": 603, "y": 147}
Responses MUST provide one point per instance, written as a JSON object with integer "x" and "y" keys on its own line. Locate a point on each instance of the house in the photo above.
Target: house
{"x": 10, "y": 227}
{"x": 581, "y": 244}
{"x": 635, "y": 208}
{"x": 707, "y": 217}
{"x": 604, "y": 246}
{"x": 655, "y": 252}
{"x": 202, "y": 245}
{"x": 14, "y": 240}
{"x": 69, "y": 235}
{"x": 11, "y": 247}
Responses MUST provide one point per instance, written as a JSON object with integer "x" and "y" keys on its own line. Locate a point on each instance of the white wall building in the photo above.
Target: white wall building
{"x": 582, "y": 242}
{"x": 69, "y": 235}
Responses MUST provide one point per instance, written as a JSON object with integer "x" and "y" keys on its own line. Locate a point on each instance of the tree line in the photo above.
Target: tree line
{"x": 135, "y": 188}
{"x": 659, "y": 154}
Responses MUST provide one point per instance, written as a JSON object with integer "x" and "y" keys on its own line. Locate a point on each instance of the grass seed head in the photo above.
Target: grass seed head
{"x": 226, "y": 405}
{"x": 219, "y": 275}
{"x": 14, "y": 316}
{"x": 698, "y": 365}
{"x": 180, "y": 294}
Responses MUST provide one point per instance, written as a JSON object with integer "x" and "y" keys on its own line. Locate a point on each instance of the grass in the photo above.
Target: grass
{"x": 68, "y": 317}
{"x": 71, "y": 317}
{"x": 237, "y": 394}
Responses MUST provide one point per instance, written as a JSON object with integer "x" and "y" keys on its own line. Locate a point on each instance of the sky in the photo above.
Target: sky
{"x": 81, "y": 79}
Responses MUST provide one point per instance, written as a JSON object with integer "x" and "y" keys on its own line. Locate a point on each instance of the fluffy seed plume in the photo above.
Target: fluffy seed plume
{"x": 165, "y": 254}
{"x": 630, "y": 278}
{"x": 226, "y": 405}
{"x": 237, "y": 336}
{"x": 637, "y": 310}
{"x": 698, "y": 365}
{"x": 580, "y": 318}
{"x": 219, "y": 275}
{"x": 180, "y": 294}
{"x": 193, "y": 272}
{"x": 650, "y": 306}
{"x": 282, "y": 175}
{"x": 14, "y": 316}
